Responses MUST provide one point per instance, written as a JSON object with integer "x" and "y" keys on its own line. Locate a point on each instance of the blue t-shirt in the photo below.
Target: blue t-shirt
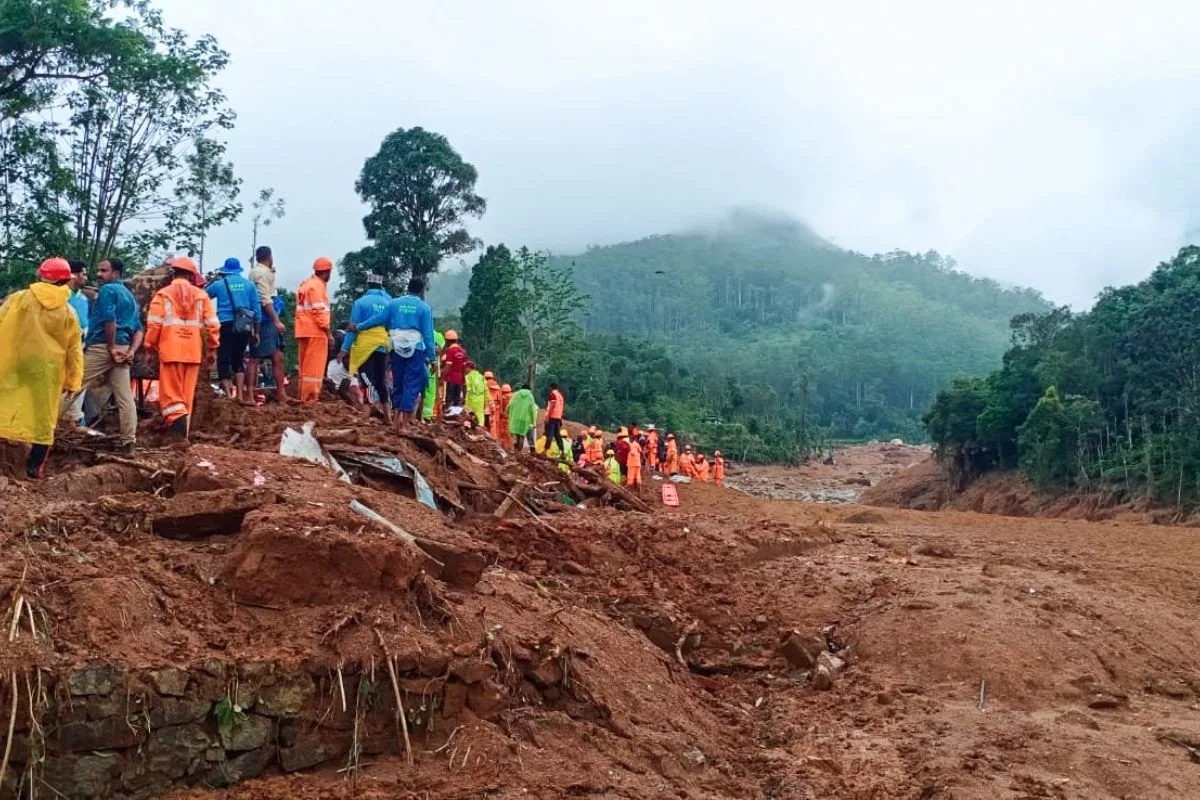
{"x": 79, "y": 303}
{"x": 375, "y": 301}
{"x": 231, "y": 289}
{"x": 115, "y": 303}
{"x": 406, "y": 313}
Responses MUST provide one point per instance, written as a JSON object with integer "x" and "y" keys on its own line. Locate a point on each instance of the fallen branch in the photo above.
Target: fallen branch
{"x": 408, "y": 756}
{"x": 374, "y": 516}
{"x": 129, "y": 462}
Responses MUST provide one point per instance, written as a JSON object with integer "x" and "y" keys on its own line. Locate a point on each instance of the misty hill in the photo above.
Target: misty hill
{"x": 861, "y": 343}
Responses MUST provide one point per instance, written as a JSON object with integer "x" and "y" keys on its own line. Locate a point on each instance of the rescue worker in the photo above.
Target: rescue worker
{"x": 312, "y": 330}
{"x": 365, "y": 353}
{"x": 555, "y": 409}
{"x": 240, "y": 313}
{"x": 492, "y": 411}
{"x": 409, "y": 321}
{"x": 506, "y": 395}
{"x": 430, "y": 402}
{"x": 176, "y": 317}
{"x": 454, "y": 370}
{"x": 701, "y": 467}
{"x": 477, "y": 392}
{"x": 41, "y": 356}
{"x": 611, "y": 467}
{"x": 633, "y": 466}
{"x": 522, "y": 417}
{"x": 652, "y": 448}
{"x": 594, "y": 447}
{"x": 622, "y": 448}
{"x": 578, "y": 448}
{"x": 687, "y": 463}
{"x": 671, "y": 461}
{"x": 718, "y": 468}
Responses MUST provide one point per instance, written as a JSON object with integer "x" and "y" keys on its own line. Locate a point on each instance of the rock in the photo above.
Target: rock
{"x": 170, "y": 682}
{"x": 309, "y": 753}
{"x": 92, "y": 775}
{"x": 1104, "y": 702}
{"x": 94, "y": 680}
{"x": 486, "y": 699}
{"x": 285, "y": 698}
{"x": 822, "y": 679}
{"x": 460, "y": 568}
{"x": 800, "y": 651}
{"x": 1175, "y": 688}
{"x": 214, "y": 755}
{"x": 248, "y": 732}
{"x": 174, "y": 711}
{"x": 934, "y": 550}
{"x": 258, "y": 671}
{"x": 214, "y": 667}
{"x": 171, "y": 752}
{"x": 472, "y": 670}
{"x": 548, "y": 673}
{"x": 196, "y": 515}
{"x": 98, "y": 707}
{"x": 831, "y": 662}
{"x": 113, "y": 733}
{"x": 575, "y": 568}
{"x": 694, "y": 757}
{"x": 454, "y": 700}
{"x": 247, "y": 765}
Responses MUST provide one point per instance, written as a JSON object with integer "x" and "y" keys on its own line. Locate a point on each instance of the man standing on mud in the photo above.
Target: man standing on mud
{"x": 270, "y": 332}
{"x": 113, "y": 338}
{"x": 409, "y": 322}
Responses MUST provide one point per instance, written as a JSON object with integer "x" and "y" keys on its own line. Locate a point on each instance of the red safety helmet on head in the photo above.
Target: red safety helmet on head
{"x": 184, "y": 263}
{"x": 55, "y": 269}
{"x": 322, "y": 264}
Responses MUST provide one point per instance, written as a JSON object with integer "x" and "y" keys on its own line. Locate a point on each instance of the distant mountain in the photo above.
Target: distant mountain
{"x": 860, "y": 344}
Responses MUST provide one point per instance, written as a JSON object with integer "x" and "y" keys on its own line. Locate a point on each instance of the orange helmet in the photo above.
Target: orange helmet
{"x": 55, "y": 269}
{"x": 489, "y": 374}
{"x": 717, "y": 453}
{"x": 670, "y": 436}
{"x": 184, "y": 263}
{"x": 451, "y": 336}
{"x": 322, "y": 264}
{"x": 506, "y": 388}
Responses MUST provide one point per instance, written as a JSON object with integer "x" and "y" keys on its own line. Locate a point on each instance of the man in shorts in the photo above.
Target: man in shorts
{"x": 270, "y": 333}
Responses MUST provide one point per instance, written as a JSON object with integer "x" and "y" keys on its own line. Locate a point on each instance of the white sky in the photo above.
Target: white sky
{"x": 1052, "y": 144}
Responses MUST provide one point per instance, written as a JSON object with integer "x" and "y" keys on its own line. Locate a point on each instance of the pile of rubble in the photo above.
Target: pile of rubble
{"x": 287, "y": 596}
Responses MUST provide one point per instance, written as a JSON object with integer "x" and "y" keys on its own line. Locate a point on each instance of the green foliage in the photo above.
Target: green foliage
{"x": 420, "y": 191}
{"x": 490, "y": 316}
{"x": 544, "y": 303}
{"x": 205, "y": 198}
{"x": 1106, "y": 399}
{"x": 265, "y": 209}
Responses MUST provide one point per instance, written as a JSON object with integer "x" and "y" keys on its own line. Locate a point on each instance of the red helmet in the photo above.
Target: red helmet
{"x": 322, "y": 264}
{"x": 184, "y": 263}
{"x": 55, "y": 269}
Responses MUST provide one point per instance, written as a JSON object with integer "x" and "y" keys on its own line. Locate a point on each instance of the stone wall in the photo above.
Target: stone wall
{"x": 115, "y": 733}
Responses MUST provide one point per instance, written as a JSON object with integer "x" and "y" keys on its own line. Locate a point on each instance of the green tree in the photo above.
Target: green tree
{"x": 491, "y": 314}
{"x": 420, "y": 191}
{"x": 265, "y": 209}
{"x": 205, "y": 198}
{"x": 546, "y": 305}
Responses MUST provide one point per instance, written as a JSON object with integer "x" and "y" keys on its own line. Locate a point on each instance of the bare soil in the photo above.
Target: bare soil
{"x": 735, "y": 647}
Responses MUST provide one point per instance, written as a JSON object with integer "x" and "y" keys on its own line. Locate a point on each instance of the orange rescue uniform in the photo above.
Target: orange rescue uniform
{"x": 178, "y": 313}
{"x": 719, "y": 471}
{"x": 312, "y": 335}
{"x": 671, "y": 465}
{"x": 506, "y": 439}
{"x": 556, "y": 406}
{"x": 633, "y": 468}
{"x": 687, "y": 465}
{"x": 594, "y": 452}
{"x": 652, "y": 450}
{"x": 702, "y": 469}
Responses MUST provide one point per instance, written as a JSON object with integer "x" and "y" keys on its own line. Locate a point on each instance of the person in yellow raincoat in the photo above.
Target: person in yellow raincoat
{"x": 430, "y": 407}
{"x": 41, "y": 356}
{"x": 477, "y": 392}
{"x": 365, "y": 353}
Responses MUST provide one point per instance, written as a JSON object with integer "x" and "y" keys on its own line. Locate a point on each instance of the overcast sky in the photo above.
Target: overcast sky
{"x": 1051, "y": 144}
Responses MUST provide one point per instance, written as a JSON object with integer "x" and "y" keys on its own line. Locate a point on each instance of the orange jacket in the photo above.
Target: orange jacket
{"x": 652, "y": 447}
{"x": 719, "y": 469}
{"x": 594, "y": 452}
{"x": 635, "y": 455}
{"x": 177, "y": 314}
{"x": 312, "y": 309}
{"x": 672, "y": 462}
{"x": 556, "y": 406}
{"x": 687, "y": 465}
{"x": 702, "y": 469}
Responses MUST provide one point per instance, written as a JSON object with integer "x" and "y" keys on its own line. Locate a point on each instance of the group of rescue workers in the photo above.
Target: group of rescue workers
{"x": 64, "y": 355}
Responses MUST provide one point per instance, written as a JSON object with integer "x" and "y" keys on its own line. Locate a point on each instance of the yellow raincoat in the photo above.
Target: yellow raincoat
{"x": 41, "y": 356}
{"x": 477, "y": 394}
{"x": 365, "y": 343}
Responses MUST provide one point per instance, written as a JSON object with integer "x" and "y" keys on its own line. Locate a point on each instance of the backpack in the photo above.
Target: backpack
{"x": 243, "y": 318}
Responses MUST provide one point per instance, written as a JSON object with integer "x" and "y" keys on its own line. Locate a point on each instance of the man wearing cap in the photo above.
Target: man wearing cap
{"x": 652, "y": 448}
{"x": 718, "y": 471}
{"x": 41, "y": 356}
{"x": 365, "y": 351}
{"x": 178, "y": 314}
{"x": 312, "y": 330}
{"x": 454, "y": 369}
{"x": 622, "y": 450}
{"x": 114, "y": 335}
{"x": 240, "y": 314}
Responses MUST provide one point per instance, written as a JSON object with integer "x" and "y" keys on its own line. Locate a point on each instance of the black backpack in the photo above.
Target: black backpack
{"x": 243, "y": 318}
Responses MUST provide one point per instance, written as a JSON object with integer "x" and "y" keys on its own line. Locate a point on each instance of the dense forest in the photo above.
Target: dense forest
{"x": 758, "y": 335}
{"x": 1106, "y": 399}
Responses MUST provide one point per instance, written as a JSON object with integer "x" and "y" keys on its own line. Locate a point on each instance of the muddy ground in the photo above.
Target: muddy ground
{"x": 852, "y": 472}
{"x": 735, "y": 647}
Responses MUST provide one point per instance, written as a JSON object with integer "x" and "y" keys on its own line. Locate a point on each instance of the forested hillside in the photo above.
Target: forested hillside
{"x": 1108, "y": 399}
{"x": 861, "y": 344}
{"x": 757, "y": 336}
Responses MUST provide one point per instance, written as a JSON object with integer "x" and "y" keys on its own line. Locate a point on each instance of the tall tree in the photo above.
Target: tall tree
{"x": 128, "y": 134}
{"x": 205, "y": 198}
{"x": 265, "y": 209}
{"x": 491, "y": 314}
{"x": 421, "y": 192}
{"x": 546, "y": 303}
